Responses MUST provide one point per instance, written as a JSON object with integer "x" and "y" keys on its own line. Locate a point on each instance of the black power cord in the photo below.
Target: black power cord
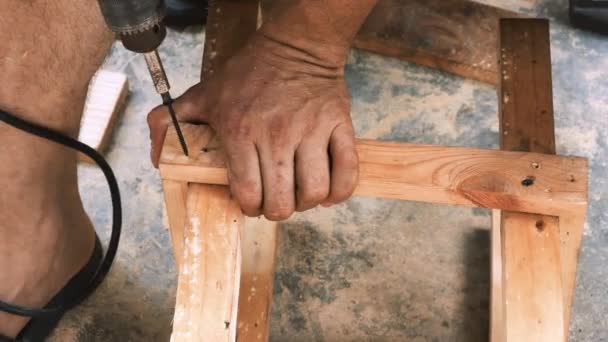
{"x": 108, "y": 259}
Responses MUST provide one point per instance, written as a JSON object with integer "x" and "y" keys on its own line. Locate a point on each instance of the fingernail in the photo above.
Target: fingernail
{"x": 327, "y": 204}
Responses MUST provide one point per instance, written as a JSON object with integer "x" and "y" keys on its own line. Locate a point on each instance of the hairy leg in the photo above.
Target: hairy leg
{"x": 49, "y": 52}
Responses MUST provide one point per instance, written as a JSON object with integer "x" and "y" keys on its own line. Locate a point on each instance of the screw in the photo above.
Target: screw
{"x": 540, "y": 225}
{"x": 528, "y": 181}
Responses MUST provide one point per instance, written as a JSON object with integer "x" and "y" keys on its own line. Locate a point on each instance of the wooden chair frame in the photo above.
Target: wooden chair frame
{"x": 226, "y": 261}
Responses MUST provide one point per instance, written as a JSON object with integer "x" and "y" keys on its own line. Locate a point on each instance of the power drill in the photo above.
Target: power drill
{"x": 590, "y": 15}
{"x": 139, "y": 25}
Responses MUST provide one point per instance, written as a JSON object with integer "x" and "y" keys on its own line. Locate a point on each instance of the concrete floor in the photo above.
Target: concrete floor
{"x": 368, "y": 270}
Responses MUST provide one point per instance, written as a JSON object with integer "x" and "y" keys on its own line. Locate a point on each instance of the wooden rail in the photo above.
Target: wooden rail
{"x": 517, "y": 181}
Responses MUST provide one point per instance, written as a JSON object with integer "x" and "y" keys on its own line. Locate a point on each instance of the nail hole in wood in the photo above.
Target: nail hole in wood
{"x": 226, "y": 324}
{"x": 204, "y": 149}
{"x": 540, "y": 225}
{"x": 572, "y": 179}
{"x": 536, "y": 165}
{"x": 528, "y": 181}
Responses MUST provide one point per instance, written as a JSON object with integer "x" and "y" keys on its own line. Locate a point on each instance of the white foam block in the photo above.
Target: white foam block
{"x": 105, "y": 99}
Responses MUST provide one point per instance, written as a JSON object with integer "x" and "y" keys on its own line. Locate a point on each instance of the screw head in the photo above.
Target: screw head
{"x": 540, "y": 225}
{"x": 528, "y": 181}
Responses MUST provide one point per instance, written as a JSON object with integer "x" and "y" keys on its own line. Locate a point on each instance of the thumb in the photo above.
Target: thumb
{"x": 189, "y": 107}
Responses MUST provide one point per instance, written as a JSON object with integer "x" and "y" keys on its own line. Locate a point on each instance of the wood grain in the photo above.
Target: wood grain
{"x": 526, "y": 90}
{"x": 176, "y": 194}
{"x": 456, "y": 36}
{"x": 527, "y": 124}
{"x": 209, "y": 278}
{"x": 259, "y": 247}
{"x": 571, "y": 227}
{"x": 532, "y": 284}
{"x": 229, "y": 26}
{"x": 497, "y": 322}
{"x": 426, "y": 173}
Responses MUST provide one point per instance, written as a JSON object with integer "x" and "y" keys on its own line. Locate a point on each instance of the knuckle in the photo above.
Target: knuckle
{"x": 278, "y": 133}
{"x": 154, "y": 118}
{"x": 238, "y": 127}
{"x": 350, "y": 161}
{"x": 345, "y": 146}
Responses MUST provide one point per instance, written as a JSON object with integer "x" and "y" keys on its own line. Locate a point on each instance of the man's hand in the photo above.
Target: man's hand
{"x": 281, "y": 109}
{"x": 283, "y": 118}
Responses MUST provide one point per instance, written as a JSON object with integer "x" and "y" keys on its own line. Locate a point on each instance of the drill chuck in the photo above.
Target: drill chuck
{"x": 138, "y": 23}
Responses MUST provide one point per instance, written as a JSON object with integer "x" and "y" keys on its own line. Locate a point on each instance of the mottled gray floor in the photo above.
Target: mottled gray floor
{"x": 368, "y": 270}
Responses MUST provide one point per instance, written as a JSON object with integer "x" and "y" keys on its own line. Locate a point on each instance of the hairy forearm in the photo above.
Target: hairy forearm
{"x": 321, "y": 30}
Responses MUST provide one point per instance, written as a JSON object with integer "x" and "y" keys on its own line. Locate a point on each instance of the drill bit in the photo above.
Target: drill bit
{"x": 168, "y": 101}
{"x": 161, "y": 83}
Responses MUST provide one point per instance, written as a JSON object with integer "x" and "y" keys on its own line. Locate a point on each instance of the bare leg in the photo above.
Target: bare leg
{"x": 49, "y": 51}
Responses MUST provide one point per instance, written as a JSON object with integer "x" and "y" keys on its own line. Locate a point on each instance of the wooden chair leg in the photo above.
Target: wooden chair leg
{"x": 209, "y": 276}
{"x": 571, "y": 231}
{"x": 539, "y": 253}
{"x": 532, "y": 283}
{"x": 527, "y": 296}
{"x": 175, "y": 199}
{"x": 497, "y": 324}
{"x": 259, "y": 246}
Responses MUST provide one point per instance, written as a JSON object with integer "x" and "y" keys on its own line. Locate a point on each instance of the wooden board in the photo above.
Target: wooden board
{"x": 106, "y": 98}
{"x": 526, "y": 90}
{"x": 229, "y": 25}
{"x": 532, "y": 283}
{"x": 176, "y": 194}
{"x": 426, "y": 173}
{"x": 259, "y": 247}
{"x": 497, "y": 323}
{"x": 456, "y": 36}
{"x": 571, "y": 227}
{"x": 209, "y": 276}
{"x": 526, "y": 124}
